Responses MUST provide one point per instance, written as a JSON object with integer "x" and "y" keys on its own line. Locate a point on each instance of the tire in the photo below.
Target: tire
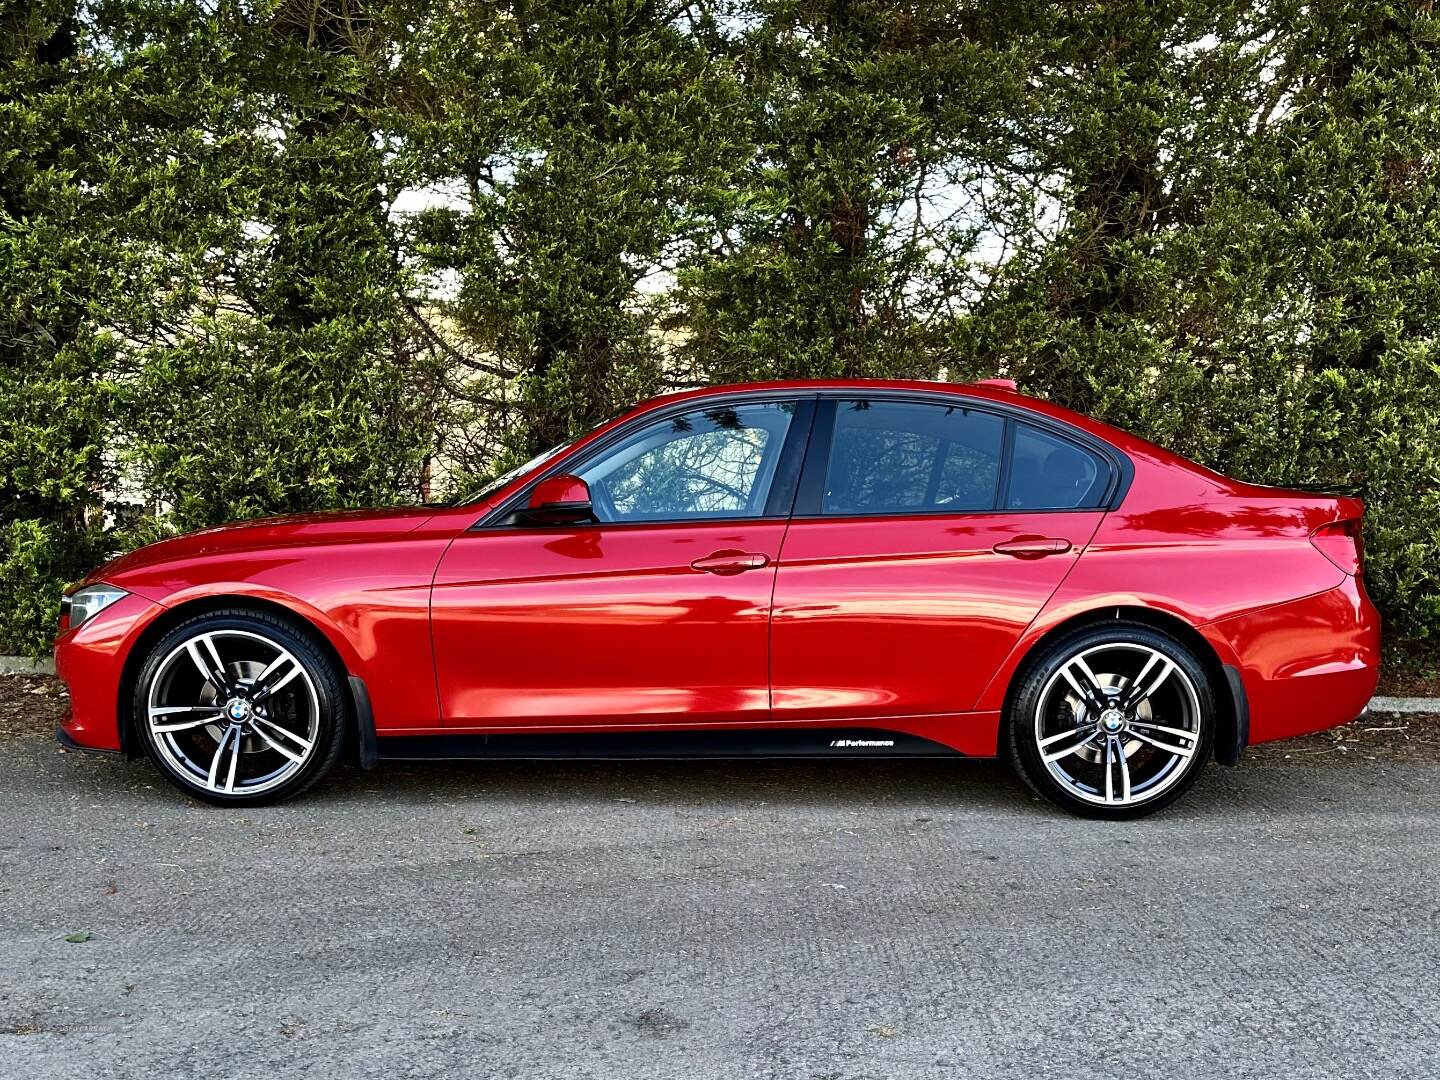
{"x": 240, "y": 708}
{"x": 1114, "y": 721}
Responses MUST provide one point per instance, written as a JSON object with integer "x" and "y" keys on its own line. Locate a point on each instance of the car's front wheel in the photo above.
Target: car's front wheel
{"x": 240, "y": 708}
{"x": 1113, "y": 721}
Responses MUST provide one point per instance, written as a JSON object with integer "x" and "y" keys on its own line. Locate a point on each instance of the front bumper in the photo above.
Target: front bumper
{"x": 1306, "y": 665}
{"x": 91, "y": 663}
{"x": 63, "y": 738}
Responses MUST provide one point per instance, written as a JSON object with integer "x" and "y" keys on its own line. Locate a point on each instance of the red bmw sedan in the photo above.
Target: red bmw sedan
{"x": 801, "y": 569}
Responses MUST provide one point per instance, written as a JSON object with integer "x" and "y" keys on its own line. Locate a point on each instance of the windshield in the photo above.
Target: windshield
{"x": 466, "y": 497}
{"x": 504, "y": 478}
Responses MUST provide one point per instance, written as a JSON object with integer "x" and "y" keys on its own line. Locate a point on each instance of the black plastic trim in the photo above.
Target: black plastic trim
{"x": 365, "y": 742}
{"x": 64, "y": 739}
{"x": 1007, "y": 462}
{"x": 579, "y": 512}
{"x": 811, "y": 492}
{"x": 125, "y": 719}
{"x": 807, "y": 742}
{"x": 780, "y": 502}
{"x": 1230, "y": 754}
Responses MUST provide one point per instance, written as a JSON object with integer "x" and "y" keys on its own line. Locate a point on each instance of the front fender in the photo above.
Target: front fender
{"x": 368, "y": 598}
{"x": 217, "y": 594}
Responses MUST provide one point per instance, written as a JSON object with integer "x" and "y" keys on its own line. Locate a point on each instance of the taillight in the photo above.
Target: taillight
{"x": 1341, "y": 543}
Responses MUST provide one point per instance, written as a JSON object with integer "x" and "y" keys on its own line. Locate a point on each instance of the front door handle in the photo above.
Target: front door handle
{"x": 731, "y": 562}
{"x": 1032, "y": 547}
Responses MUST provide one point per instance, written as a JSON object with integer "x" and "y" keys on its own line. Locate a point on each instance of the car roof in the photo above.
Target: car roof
{"x": 992, "y": 391}
{"x": 985, "y": 391}
{"x": 1131, "y": 446}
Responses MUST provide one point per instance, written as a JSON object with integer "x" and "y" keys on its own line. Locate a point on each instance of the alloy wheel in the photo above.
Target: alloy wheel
{"x": 1118, "y": 724}
{"x": 232, "y": 712}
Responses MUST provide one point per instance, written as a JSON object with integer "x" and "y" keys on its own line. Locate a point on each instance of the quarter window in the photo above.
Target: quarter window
{"x": 891, "y": 457}
{"x": 1051, "y": 473}
{"x": 716, "y": 462}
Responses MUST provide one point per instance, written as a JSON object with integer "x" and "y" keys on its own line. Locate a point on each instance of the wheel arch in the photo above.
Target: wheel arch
{"x": 172, "y": 617}
{"x": 1232, "y": 721}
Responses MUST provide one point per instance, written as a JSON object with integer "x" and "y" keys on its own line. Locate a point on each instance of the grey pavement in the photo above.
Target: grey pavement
{"x": 778, "y": 920}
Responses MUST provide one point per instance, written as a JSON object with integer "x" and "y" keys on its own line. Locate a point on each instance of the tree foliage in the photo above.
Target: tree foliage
{"x": 268, "y": 255}
{"x": 60, "y": 261}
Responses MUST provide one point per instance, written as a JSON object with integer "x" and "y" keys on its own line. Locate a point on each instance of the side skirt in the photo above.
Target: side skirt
{"x": 676, "y": 745}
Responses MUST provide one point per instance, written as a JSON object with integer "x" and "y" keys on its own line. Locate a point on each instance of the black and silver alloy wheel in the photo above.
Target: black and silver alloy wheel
{"x": 1115, "y": 721}
{"x": 239, "y": 708}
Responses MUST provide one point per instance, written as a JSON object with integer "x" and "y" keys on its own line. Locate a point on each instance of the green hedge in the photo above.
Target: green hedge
{"x": 277, "y": 256}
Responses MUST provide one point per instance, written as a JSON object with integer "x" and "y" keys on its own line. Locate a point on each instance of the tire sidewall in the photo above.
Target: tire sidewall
{"x": 330, "y": 701}
{"x": 1025, "y": 754}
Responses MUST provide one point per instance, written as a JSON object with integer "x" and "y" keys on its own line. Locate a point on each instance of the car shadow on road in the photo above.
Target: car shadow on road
{"x": 978, "y": 782}
{"x": 973, "y": 786}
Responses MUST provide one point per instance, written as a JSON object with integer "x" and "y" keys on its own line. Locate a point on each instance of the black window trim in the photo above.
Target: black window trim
{"x": 805, "y": 458}
{"x": 809, "y": 496}
{"x": 1007, "y": 459}
{"x": 779, "y": 502}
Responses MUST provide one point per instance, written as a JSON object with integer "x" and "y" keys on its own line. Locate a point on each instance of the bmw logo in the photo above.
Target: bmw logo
{"x": 239, "y": 710}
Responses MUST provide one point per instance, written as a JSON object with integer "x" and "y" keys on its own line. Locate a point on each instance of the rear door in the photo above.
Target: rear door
{"x": 928, "y": 534}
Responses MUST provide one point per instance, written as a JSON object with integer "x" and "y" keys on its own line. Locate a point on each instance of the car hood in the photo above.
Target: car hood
{"x": 333, "y": 526}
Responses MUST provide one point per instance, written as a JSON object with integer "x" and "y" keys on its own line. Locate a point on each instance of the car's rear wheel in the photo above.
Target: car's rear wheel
{"x": 240, "y": 708}
{"x": 1113, "y": 721}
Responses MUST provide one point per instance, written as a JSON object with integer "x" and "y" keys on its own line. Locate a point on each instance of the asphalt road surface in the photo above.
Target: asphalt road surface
{"x": 677, "y": 921}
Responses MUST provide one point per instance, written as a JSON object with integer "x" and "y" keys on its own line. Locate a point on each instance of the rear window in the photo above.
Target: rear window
{"x": 894, "y": 457}
{"x": 911, "y": 457}
{"x": 1048, "y": 472}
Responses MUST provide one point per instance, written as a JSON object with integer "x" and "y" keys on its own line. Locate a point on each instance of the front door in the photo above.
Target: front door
{"x": 656, "y": 613}
{"x": 937, "y": 535}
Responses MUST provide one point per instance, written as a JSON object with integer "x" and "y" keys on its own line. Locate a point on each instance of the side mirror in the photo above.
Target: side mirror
{"x": 559, "y": 500}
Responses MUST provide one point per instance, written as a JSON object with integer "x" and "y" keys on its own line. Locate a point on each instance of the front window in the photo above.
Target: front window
{"x": 714, "y": 462}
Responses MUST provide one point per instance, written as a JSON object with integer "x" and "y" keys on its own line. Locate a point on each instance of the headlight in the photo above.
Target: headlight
{"x": 76, "y": 608}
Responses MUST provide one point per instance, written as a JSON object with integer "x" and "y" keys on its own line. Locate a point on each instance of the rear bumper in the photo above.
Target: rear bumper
{"x": 1306, "y": 665}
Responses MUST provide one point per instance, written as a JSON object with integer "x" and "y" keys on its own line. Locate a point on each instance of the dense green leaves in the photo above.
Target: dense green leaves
{"x": 59, "y": 261}
{"x": 265, "y": 255}
{"x": 1246, "y": 269}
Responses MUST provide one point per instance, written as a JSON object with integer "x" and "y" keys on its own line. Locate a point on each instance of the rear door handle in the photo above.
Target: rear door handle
{"x": 731, "y": 562}
{"x": 1032, "y": 547}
